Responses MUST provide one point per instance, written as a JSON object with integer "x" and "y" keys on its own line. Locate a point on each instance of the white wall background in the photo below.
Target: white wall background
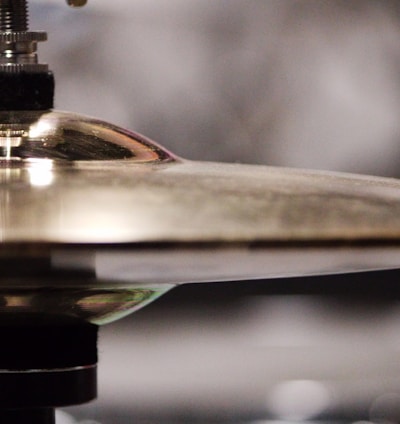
{"x": 304, "y": 83}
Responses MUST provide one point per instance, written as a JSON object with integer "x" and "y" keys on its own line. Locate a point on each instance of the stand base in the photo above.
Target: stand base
{"x": 44, "y": 364}
{"x": 31, "y": 416}
{"x": 47, "y": 388}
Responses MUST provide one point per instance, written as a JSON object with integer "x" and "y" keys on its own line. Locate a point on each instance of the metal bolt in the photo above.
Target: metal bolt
{"x": 18, "y": 45}
{"x": 13, "y": 15}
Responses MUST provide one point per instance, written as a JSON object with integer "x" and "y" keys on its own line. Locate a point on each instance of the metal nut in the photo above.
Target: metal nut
{"x": 22, "y": 36}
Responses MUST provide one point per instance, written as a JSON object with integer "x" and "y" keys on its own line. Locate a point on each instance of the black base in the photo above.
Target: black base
{"x": 27, "y": 416}
{"x": 26, "y": 91}
{"x": 47, "y": 388}
{"x": 45, "y": 362}
{"x": 37, "y": 342}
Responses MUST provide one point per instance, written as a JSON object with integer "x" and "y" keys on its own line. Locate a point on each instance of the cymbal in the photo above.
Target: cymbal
{"x": 103, "y": 207}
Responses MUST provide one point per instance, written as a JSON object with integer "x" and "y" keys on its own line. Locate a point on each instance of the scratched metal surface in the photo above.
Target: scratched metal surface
{"x": 77, "y": 180}
{"x": 88, "y": 195}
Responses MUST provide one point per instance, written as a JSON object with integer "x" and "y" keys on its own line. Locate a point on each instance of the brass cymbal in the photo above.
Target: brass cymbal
{"x": 71, "y": 179}
{"x": 88, "y": 205}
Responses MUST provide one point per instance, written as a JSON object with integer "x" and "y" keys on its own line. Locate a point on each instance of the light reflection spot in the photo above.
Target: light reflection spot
{"x": 298, "y": 400}
{"x": 40, "y": 176}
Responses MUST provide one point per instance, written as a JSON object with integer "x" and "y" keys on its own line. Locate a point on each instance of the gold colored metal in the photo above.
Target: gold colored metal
{"x": 76, "y": 3}
{"x": 87, "y": 207}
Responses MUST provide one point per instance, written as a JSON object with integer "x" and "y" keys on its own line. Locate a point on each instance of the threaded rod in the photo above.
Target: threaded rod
{"x": 13, "y": 15}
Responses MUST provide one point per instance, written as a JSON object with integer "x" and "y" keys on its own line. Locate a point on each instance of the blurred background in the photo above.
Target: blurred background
{"x": 301, "y": 83}
{"x": 304, "y": 83}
